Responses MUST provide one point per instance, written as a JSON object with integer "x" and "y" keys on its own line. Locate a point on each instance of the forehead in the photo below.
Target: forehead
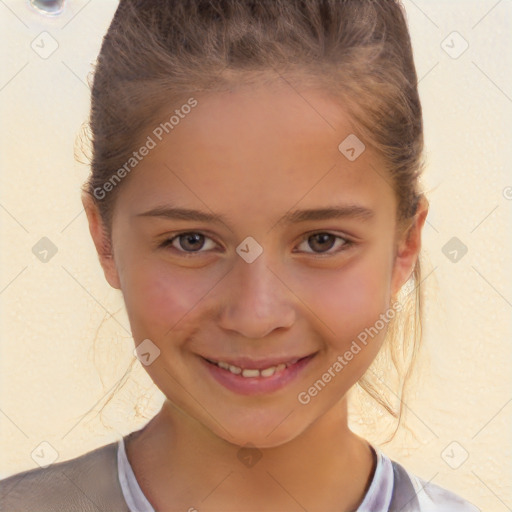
{"x": 255, "y": 150}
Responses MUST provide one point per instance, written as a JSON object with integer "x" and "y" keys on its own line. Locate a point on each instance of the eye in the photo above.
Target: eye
{"x": 324, "y": 241}
{"x": 188, "y": 242}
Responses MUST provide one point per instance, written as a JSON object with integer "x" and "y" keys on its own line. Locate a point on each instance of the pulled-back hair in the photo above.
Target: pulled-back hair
{"x": 157, "y": 53}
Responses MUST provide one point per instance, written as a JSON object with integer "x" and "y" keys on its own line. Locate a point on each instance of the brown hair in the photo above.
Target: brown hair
{"x": 159, "y": 52}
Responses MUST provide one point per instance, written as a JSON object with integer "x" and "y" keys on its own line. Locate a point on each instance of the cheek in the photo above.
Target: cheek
{"x": 157, "y": 298}
{"x": 352, "y": 299}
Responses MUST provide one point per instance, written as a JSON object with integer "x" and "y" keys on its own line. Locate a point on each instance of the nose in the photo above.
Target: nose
{"x": 255, "y": 300}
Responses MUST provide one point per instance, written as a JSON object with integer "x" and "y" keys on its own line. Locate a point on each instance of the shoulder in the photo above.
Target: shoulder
{"x": 86, "y": 483}
{"x": 414, "y": 494}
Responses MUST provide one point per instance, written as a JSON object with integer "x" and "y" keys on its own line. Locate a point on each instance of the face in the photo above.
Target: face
{"x": 273, "y": 281}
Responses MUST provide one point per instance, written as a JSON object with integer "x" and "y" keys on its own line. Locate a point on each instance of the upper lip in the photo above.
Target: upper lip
{"x": 256, "y": 364}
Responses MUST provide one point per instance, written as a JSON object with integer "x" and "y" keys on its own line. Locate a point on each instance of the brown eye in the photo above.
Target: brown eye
{"x": 322, "y": 242}
{"x": 189, "y": 242}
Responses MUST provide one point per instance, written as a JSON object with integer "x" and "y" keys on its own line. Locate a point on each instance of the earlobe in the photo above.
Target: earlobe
{"x": 101, "y": 241}
{"x": 409, "y": 248}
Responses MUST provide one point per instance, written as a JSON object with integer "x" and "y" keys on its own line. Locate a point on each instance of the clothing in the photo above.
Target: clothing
{"x": 103, "y": 479}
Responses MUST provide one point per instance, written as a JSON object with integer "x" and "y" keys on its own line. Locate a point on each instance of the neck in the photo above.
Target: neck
{"x": 178, "y": 460}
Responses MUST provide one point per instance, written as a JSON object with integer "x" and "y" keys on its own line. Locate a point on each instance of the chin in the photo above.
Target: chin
{"x": 262, "y": 431}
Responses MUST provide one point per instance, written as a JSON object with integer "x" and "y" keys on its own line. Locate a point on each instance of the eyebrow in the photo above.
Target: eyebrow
{"x": 352, "y": 211}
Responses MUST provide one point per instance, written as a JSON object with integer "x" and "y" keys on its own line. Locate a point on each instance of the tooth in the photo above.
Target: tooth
{"x": 235, "y": 369}
{"x": 268, "y": 372}
{"x": 250, "y": 373}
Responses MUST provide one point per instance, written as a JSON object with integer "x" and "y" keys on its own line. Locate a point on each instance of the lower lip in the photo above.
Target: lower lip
{"x": 256, "y": 385}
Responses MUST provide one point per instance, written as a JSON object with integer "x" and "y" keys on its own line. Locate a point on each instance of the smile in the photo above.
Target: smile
{"x": 246, "y": 377}
{"x": 249, "y": 373}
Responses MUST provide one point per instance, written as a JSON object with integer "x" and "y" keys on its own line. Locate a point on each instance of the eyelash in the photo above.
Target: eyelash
{"x": 167, "y": 244}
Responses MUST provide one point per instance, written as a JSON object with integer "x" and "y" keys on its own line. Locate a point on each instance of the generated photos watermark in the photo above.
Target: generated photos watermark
{"x": 305, "y": 397}
{"x": 152, "y": 141}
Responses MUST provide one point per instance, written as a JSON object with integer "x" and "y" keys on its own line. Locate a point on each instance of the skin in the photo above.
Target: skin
{"x": 252, "y": 154}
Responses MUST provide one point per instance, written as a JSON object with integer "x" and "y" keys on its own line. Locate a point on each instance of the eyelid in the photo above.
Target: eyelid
{"x": 348, "y": 243}
{"x": 170, "y": 238}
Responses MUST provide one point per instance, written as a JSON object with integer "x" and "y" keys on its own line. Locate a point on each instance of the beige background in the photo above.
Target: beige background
{"x": 53, "y": 381}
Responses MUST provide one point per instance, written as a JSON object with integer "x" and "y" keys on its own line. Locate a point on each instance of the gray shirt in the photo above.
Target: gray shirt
{"x": 103, "y": 479}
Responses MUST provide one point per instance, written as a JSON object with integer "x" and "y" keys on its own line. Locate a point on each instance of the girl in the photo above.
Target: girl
{"x": 255, "y": 196}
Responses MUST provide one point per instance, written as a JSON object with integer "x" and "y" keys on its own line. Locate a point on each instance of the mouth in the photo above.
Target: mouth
{"x": 246, "y": 376}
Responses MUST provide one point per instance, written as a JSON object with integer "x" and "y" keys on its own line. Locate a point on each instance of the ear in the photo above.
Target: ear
{"x": 408, "y": 247}
{"x": 101, "y": 241}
